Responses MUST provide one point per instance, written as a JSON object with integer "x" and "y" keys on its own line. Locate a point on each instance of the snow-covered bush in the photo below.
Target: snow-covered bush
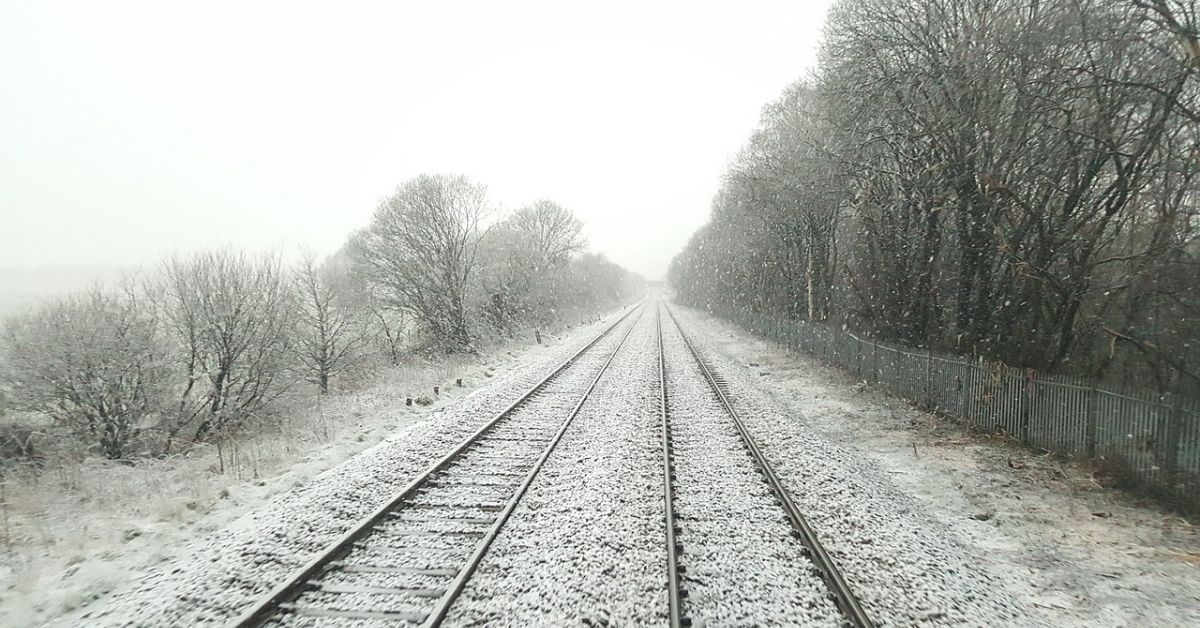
{"x": 95, "y": 362}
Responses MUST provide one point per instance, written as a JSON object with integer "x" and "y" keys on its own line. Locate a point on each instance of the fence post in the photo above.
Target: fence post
{"x": 928, "y": 379}
{"x": 858, "y": 357}
{"x": 875, "y": 361}
{"x": 839, "y": 348}
{"x": 1171, "y": 440}
{"x": 970, "y": 401}
{"x": 1091, "y": 409}
{"x": 1026, "y": 406}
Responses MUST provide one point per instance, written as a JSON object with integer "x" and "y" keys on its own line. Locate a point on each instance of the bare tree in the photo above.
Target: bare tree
{"x": 1008, "y": 178}
{"x": 552, "y": 232}
{"x": 330, "y": 332}
{"x": 420, "y": 250}
{"x": 389, "y": 323}
{"x": 96, "y": 363}
{"x": 231, "y": 316}
{"x": 383, "y": 324}
{"x": 524, "y": 260}
{"x": 785, "y": 187}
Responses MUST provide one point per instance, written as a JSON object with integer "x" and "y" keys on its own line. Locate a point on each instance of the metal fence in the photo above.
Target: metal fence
{"x": 1151, "y": 441}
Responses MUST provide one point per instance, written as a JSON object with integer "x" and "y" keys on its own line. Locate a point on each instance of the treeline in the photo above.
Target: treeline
{"x": 198, "y": 350}
{"x": 1013, "y": 179}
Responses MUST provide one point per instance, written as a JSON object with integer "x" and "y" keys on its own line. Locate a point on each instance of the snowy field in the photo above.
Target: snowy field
{"x": 930, "y": 526}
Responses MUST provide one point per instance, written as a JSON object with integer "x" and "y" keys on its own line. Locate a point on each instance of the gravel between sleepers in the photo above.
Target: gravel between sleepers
{"x": 741, "y": 565}
{"x": 228, "y": 569}
{"x": 434, "y": 518}
{"x": 585, "y": 546}
{"x": 907, "y": 568}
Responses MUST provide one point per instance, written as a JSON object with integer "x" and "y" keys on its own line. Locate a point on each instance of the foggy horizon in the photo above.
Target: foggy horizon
{"x": 142, "y": 130}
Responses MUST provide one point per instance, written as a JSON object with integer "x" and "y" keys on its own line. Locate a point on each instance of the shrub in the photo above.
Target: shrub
{"x": 94, "y": 362}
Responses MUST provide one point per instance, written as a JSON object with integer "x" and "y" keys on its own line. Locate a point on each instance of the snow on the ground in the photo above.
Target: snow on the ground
{"x": 968, "y": 531}
{"x": 204, "y": 574}
{"x": 741, "y": 564}
{"x": 585, "y": 546}
{"x": 482, "y": 476}
{"x": 1070, "y": 552}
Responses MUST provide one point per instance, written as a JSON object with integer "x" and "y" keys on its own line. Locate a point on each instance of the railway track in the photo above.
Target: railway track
{"x": 408, "y": 561}
{"x": 822, "y": 563}
{"x": 674, "y": 591}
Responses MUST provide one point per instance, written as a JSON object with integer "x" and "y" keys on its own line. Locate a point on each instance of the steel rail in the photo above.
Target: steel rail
{"x": 296, "y": 582}
{"x": 443, "y": 607}
{"x": 674, "y": 594}
{"x": 843, "y": 596}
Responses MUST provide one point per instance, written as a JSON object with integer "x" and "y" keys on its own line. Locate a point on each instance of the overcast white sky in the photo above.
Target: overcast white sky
{"x": 130, "y": 130}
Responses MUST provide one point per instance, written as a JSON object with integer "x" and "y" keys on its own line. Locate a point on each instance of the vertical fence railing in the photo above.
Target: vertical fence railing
{"x": 1151, "y": 440}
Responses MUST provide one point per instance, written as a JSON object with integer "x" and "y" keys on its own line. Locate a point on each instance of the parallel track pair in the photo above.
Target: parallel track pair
{"x": 417, "y": 551}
